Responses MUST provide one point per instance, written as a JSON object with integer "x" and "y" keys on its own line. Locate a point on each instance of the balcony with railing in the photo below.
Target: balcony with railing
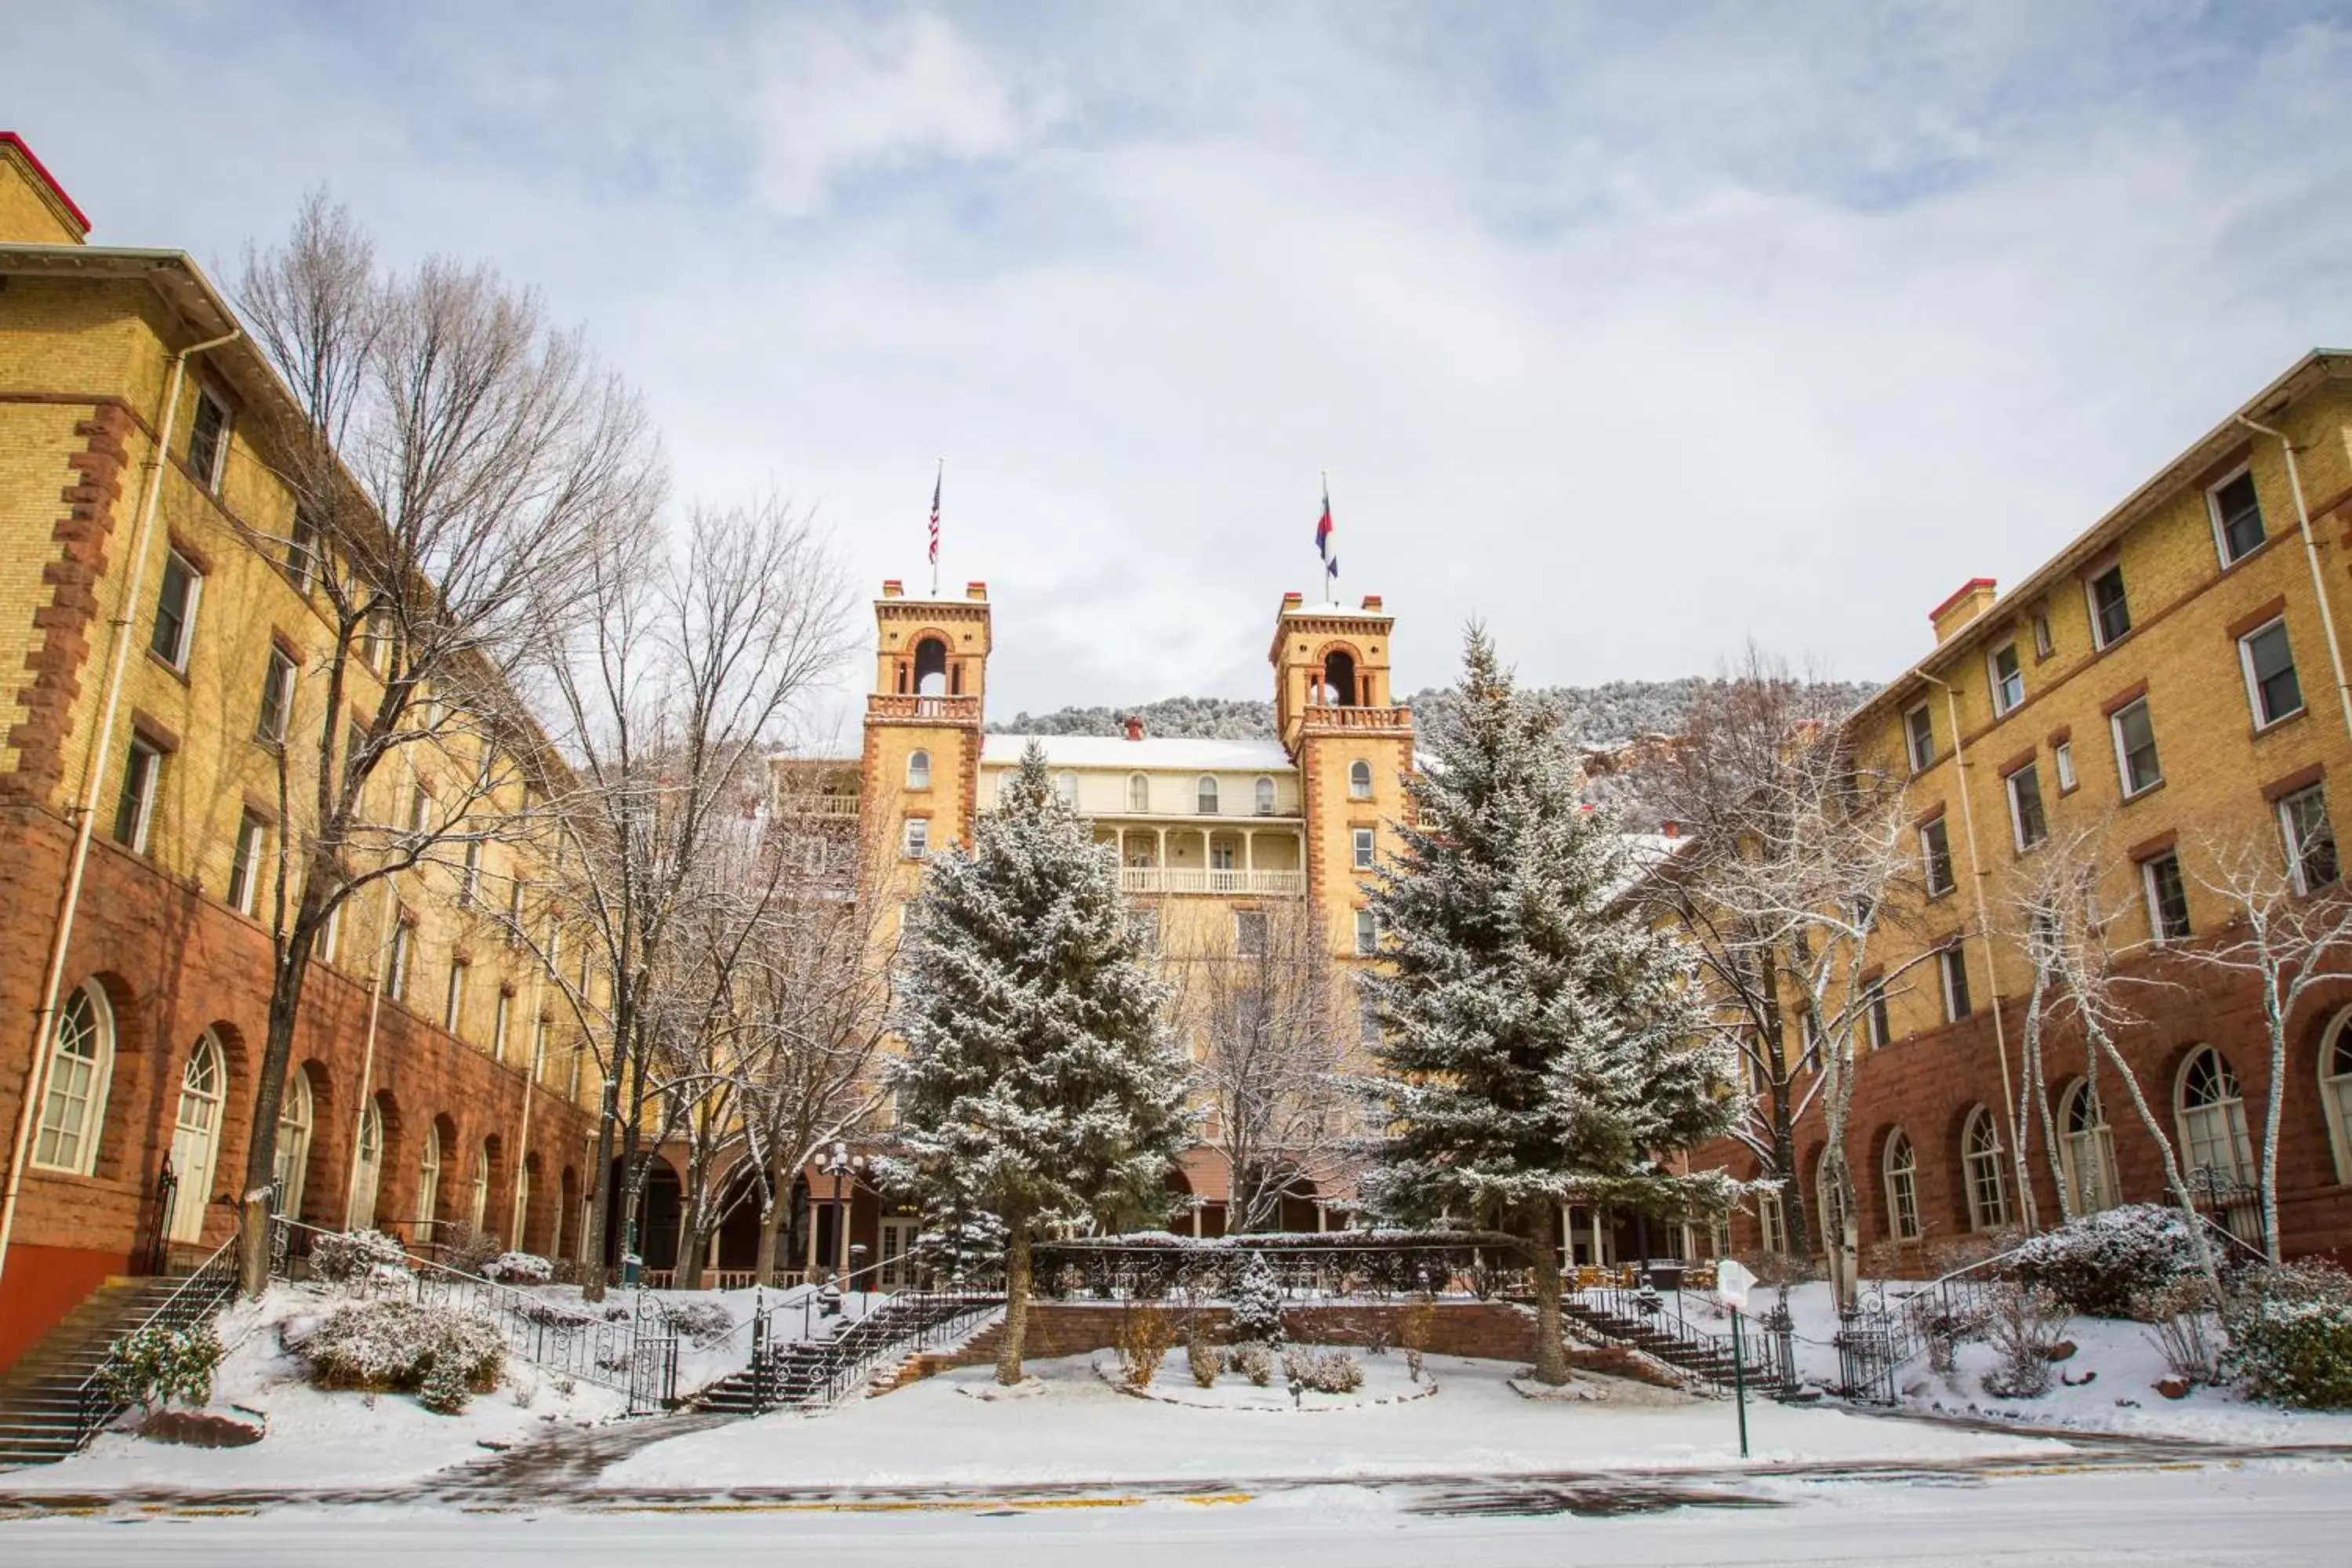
{"x": 890, "y": 708}
{"x": 1333, "y": 717}
{"x": 824, "y": 806}
{"x": 1211, "y": 880}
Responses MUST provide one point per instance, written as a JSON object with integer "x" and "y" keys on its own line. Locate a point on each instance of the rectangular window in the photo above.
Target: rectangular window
{"x": 2136, "y": 759}
{"x": 1936, "y": 852}
{"x": 395, "y": 978}
{"x": 1249, "y": 933}
{"x": 375, "y": 640}
{"x": 572, "y": 1089}
{"x": 420, "y": 809}
{"x": 499, "y": 1026}
{"x": 2026, "y": 821}
{"x": 208, "y": 440}
{"x": 2110, "y": 610}
{"x": 2061, "y": 756}
{"x": 2310, "y": 839}
{"x": 2008, "y": 679}
{"x": 277, "y": 698}
{"x": 2272, "y": 687}
{"x": 453, "y": 1006}
{"x": 1367, "y": 933}
{"x": 2043, "y": 647}
{"x": 175, "y": 611}
{"x": 469, "y": 885}
{"x": 1919, "y": 736}
{"x": 1954, "y": 963}
{"x": 2237, "y": 516}
{"x": 917, "y": 841}
{"x": 134, "y": 813}
{"x": 244, "y": 865}
{"x": 331, "y": 935}
{"x": 302, "y": 557}
{"x": 514, "y": 911}
{"x": 1881, "y": 1030}
{"x": 1363, "y": 842}
{"x": 2168, "y": 898}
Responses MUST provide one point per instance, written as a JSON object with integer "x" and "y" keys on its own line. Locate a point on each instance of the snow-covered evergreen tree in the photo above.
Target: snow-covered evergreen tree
{"x": 1257, "y": 1304}
{"x": 1041, "y": 1082}
{"x": 1538, "y": 1044}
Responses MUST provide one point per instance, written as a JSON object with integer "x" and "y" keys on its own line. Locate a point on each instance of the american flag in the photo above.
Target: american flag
{"x": 936, "y": 483}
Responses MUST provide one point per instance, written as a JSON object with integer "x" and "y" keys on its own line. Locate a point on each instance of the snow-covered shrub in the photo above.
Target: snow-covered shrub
{"x": 443, "y": 1390}
{"x": 1253, "y": 1361}
{"x": 1201, "y": 1358}
{"x": 1412, "y": 1363}
{"x": 2291, "y": 1334}
{"x": 355, "y": 1255}
{"x": 1326, "y": 1371}
{"x": 703, "y": 1323}
{"x": 465, "y": 1248}
{"x": 2181, "y": 1323}
{"x": 519, "y": 1269}
{"x": 1257, "y": 1303}
{"x": 553, "y": 1314}
{"x": 396, "y": 1344}
{"x": 156, "y": 1365}
{"x": 1145, "y": 1332}
{"x": 2097, "y": 1263}
{"x": 2024, "y": 1327}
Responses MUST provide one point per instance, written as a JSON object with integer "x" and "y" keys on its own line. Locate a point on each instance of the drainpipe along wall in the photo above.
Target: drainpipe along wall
{"x": 2310, "y": 555}
{"x": 93, "y": 774}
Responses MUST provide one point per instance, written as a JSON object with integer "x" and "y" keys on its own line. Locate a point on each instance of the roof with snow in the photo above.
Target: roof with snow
{"x": 1154, "y": 752}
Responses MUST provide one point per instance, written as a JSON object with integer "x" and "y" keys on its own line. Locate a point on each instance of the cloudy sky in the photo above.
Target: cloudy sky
{"x": 1635, "y": 330}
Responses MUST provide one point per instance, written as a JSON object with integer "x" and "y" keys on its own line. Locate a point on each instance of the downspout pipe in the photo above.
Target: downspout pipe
{"x": 1961, "y": 768}
{"x": 37, "y": 1073}
{"x": 2311, "y": 556}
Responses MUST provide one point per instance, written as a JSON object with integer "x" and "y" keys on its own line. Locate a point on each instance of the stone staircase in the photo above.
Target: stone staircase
{"x": 812, "y": 1374}
{"x": 1704, "y": 1355}
{"x": 40, "y": 1411}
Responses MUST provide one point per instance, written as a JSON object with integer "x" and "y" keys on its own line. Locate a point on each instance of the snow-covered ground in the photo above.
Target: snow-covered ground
{"x": 2110, "y": 1383}
{"x": 313, "y": 1439}
{"x": 703, "y": 1361}
{"x": 1080, "y": 1428}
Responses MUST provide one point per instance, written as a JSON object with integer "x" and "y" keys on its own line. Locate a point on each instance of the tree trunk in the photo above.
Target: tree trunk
{"x": 1551, "y": 1350}
{"x": 600, "y": 1199}
{"x": 773, "y": 1222}
{"x": 268, "y": 1096}
{"x": 1793, "y": 1188}
{"x": 1016, "y": 1302}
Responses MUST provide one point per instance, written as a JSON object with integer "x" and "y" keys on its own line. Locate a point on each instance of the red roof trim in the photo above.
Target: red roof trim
{"x": 1970, "y": 586}
{"x": 10, "y": 139}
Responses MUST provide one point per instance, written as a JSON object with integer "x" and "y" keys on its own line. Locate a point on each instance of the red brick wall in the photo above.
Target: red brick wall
{"x": 176, "y": 963}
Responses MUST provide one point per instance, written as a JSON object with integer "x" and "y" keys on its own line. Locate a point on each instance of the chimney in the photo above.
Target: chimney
{"x": 1292, "y": 601}
{"x": 892, "y": 588}
{"x": 1671, "y": 828}
{"x": 975, "y": 590}
{"x": 1975, "y": 597}
{"x": 1135, "y": 727}
{"x": 35, "y": 208}
{"x": 1372, "y": 602}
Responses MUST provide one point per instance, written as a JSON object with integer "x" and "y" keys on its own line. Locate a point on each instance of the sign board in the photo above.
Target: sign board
{"x": 1732, "y": 1282}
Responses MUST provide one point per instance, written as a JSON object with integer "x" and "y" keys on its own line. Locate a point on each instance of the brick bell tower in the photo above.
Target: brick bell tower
{"x": 920, "y": 764}
{"x": 1337, "y": 717}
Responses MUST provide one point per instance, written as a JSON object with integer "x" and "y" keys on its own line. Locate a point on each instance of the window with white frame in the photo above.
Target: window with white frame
{"x": 470, "y": 880}
{"x": 1919, "y": 737}
{"x": 2044, "y": 645}
{"x": 2213, "y": 1120}
{"x": 1361, "y": 839}
{"x": 1138, "y": 792}
{"x": 2310, "y": 838}
{"x": 2335, "y": 1090}
{"x": 245, "y": 864}
{"x": 918, "y": 770}
{"x": 2137, "y": 764}
{"x": 2273, "y": 689}
{"x": 331, "y": 935}
{"x": 1204, "y": 797}
{"x": 1264, "y": 789}
{"x": 498, "y": 1020}
{"x": 277, "y": 698}
{"x": 428, "y": 1183}
{"x": 2061, "y": 759}
{"x": 2008, "y": 679}
{"x": 1936, "y": 857}
{"x": 453, "y": 1004}
{"x": 1902, "y": 1188}
{"x": 2110, "y": 606}
{"x": 1772, "y": 1221}
{"x": 208, "y": 439}
{"x": 395, "y": 977}
{"x": 81, "y": 1067}
{"x": 1880, "y": 1028}
{"x": 1359, "y": 780}
{"x": 1981, "y": 1159}
{"x": 2088, "y": 1150}
{"x": 1367, "y": 933}
{"x": 174, "y": 631}
{"x": 1066, "y": 789}
{"x": 142, "y": 779}
{"x": 477, "y": 1209}
{"x": 2237, "y": 516}
{"x": 2168, "y": 897}
{"x": 915, "y": 841}
{"x": 517, "y": 891}
{"x": 2027, "y": 823}
{"x": 303, "y": 547}
{"x": 292, "y": 1160}
{"x": 1952, "y": 964}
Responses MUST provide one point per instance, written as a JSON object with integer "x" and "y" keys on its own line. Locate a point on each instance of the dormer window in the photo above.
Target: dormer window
{"x": 1205, "y": 801}
{"x": 1266, "y": 797}
{"x": 918, "y": 770}
{"x": 1138, "y": 792}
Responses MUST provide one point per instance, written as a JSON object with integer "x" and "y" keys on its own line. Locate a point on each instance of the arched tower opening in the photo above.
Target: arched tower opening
{"x": 931, "y": 668}
{"x": 1338, "y": 688}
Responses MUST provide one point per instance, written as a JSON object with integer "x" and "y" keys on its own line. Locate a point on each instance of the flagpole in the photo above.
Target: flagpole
{"x": 1331, "y": 576}
{"x": 938, "y": 480}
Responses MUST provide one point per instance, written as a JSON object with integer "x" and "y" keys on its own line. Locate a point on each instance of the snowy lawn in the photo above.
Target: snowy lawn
{"x": 2114, "y": 1372}
{"x": 1081, "y": 1428}
{"x": 315, "y": 1438}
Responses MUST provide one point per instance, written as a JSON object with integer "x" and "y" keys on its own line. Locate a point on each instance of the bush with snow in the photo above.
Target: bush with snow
{"x": 406, "y": 1346}
{"x": 703, "y": 1323}
{"x": 1257, "y": 1303}
{"x": 1253, "y": 1361}
{"x": 2023, "y": 1326}
{"x": 519, "y": 1269}
{"x": 355, "y": 1255}
{"x": 1325, "y": 1372}
{"x": 2291, "y": 1334}
{"x": 157, "y": 1366}
{"x": 2098, "y": 1264}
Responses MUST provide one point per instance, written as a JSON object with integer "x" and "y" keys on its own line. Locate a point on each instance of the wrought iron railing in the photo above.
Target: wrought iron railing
{"x": 200, "y": 1296}
{"x": 1659, "y": 1323}
{"x": 1339, "y": 1265}
{"x": 812, "y": 1372}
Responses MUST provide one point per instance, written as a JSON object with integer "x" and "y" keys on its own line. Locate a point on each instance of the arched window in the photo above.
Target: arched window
{"x": 1206, "y": 804}
{"x": 428, "y": 1183}
{"x": 930, "y": 668}
{"x": 1980, "y": 1162}
{"x": 195, "y": 1136}
{"x": 918, "y": 770}
{"x": 81, "y": 1063}
{"x": 1138, "y": 792}
{"x": 2213, "y": 1120}
{"x": 521, "y": 1226}
{"x": 367, "y": 1170}
{"x": 1773, "y": 1220}
{"x": 2336, "y": 1089}
{"x": 293, "y": 1143}
{"x": 479, "y": 1209}
{"x": 1266, "y": 797}
{"x": 1066, "y": 789}
{"x": 1359, "y": 780}
{"x": 1902, "y": 1188}
{"x": 2088, "y": 1150}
